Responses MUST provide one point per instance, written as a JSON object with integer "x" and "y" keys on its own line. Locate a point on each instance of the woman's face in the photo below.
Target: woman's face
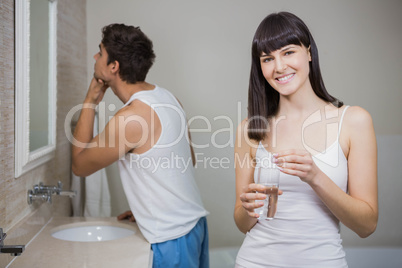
{"x": 287, "y": 68}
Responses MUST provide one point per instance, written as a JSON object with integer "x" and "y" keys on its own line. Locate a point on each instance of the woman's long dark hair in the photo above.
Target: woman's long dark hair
{"x": 274, "y": 32}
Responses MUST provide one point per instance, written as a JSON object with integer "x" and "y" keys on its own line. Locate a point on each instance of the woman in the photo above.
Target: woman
{"x": 326, "y": 152}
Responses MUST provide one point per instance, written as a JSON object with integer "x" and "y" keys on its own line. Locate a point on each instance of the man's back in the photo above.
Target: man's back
{"x": 159, "y": 183}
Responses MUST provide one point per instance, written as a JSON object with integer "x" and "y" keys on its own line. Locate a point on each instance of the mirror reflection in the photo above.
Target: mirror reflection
{"x": 35, "y": 83}
{"x": 39, "y": 75}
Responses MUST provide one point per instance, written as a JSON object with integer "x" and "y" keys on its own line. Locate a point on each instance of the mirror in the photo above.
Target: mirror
{"x": 35, "y": 83}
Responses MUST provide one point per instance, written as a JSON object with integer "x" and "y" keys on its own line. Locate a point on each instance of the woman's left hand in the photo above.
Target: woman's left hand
{"x": 298, "y": 163}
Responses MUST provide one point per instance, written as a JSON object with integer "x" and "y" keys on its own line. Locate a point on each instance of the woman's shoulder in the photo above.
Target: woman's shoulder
{"x": 357, "y": 116}
{"x": 357, "y": 125}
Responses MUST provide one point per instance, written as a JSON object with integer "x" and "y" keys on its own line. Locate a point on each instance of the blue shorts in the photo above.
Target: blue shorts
{"x": 188, "y": 251}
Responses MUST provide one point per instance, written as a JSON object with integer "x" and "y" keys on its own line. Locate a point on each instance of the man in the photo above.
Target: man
{"x": 149, "y": 139}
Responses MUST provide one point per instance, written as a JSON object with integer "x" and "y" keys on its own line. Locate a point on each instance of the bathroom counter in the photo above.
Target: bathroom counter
{"x": 46, "y": 251}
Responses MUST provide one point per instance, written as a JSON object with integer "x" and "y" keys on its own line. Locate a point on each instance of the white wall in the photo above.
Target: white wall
{"x": 203, "y": 57}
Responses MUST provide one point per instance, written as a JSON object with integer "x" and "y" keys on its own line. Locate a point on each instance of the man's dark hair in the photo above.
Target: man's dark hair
{"x": 131, "y": 48}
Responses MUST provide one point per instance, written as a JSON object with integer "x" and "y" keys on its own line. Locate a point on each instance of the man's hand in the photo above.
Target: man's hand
{"x": 128, "y": 215}
{"x": 96, "y": 91}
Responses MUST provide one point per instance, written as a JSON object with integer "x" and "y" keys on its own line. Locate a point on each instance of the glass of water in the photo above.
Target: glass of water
{"x": 268, "y": 176}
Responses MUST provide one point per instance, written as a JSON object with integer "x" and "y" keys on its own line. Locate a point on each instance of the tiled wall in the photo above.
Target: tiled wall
{"x": 6, "y": 102}
{"x": 71, "y": 89}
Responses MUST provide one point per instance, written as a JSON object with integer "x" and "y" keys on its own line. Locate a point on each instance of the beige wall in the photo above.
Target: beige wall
{"x": 203, "y": 57}
{"x": 71, "y": 84}
{"x": 6, "y": 102}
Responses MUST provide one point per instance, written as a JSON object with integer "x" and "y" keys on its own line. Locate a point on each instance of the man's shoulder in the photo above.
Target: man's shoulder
{"x": 136, "y": 107}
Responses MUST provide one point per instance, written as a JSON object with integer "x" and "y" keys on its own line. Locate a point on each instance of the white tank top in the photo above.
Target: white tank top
{"x": 304, "y": 232}
{"x": 159, "y": 184}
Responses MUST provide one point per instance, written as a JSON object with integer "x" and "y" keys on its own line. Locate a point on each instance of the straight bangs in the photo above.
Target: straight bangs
{"x": 276, "y": 32}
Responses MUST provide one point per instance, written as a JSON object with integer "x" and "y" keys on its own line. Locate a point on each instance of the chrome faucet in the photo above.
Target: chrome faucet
{"x": 34, "y": 195}
{"x": 45, "y": 192}
{"x": 41, "y": 188}
{"x": 14, "y": 250}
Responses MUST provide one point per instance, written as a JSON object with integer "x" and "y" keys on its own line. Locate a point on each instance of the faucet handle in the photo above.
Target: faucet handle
{"x": 59, "y": 187}
{"x": 45, "y": 196}
{"x": 37, "y": 188}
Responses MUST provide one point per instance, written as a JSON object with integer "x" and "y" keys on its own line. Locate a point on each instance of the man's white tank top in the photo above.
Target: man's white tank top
{"x": 304, "y": 232}
{"x": 159, "y": 184}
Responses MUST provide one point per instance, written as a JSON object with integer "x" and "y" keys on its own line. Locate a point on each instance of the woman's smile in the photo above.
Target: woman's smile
{"x": 283, "y": 79}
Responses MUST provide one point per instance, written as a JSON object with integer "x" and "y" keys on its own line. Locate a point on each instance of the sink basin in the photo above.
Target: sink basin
{"x": 91, "y": 233}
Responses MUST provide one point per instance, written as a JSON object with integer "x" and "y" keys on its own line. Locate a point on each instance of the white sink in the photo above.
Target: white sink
{"x": 91, "y": 233}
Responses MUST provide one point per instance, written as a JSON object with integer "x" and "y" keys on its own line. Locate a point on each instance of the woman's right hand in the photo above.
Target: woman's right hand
{"x": 250, "y": 194}
{"x": 248, "y": 197}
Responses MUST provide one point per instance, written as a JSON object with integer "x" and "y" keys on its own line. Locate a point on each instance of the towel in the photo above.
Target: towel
{"x": 97, "y": 195}
{"x": 78, "y": 201}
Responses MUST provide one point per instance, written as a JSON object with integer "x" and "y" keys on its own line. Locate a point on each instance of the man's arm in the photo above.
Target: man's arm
{"x": 191, "y": 148}
{"x": 121, "y": 134}
{"x": 84, "y": 128}
{"x": 83, "y": 134}
{"x": 189, "y": 139}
